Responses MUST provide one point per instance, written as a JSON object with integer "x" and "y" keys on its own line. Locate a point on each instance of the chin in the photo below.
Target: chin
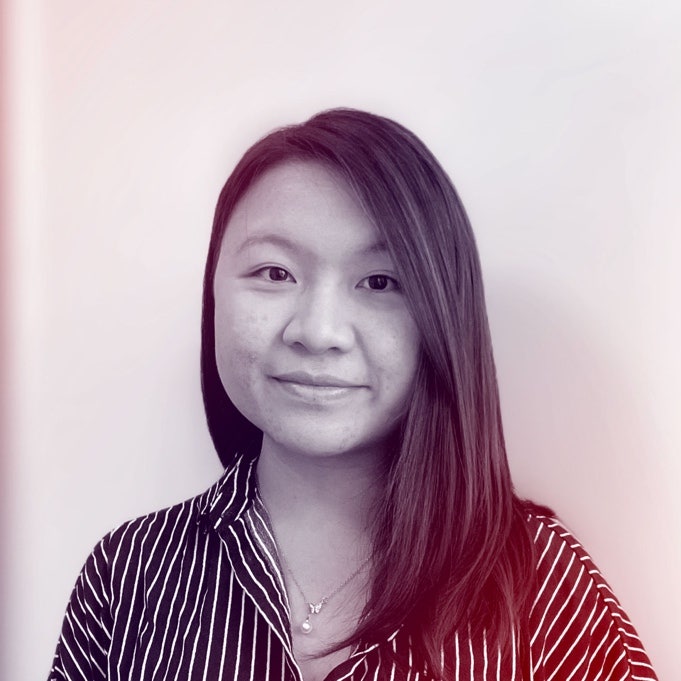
{"x": 321, "y": 445}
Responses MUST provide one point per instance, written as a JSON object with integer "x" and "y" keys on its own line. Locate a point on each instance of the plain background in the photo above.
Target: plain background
{"x": 559, "y": 124}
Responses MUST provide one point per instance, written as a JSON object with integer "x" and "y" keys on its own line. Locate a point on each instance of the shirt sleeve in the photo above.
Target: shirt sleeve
{"x": 579, "y": 629}
{"x": 83, "y": 645}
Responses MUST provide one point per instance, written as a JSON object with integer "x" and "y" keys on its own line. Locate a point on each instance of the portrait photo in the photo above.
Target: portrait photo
{"x": 341, "y": 340}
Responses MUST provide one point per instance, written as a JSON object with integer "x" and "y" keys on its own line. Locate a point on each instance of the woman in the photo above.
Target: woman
{"x": 366, "y": 525}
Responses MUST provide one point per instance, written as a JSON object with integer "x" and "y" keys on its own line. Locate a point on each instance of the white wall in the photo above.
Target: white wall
{"x": 559, "y": 123}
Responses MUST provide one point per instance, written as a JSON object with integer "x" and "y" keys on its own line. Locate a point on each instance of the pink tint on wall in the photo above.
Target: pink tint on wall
{"x": 4, "y": 257}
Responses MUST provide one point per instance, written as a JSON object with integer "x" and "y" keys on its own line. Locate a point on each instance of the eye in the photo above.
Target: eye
{"x": 273, "y": 273}
{"x": 380, "y": 282}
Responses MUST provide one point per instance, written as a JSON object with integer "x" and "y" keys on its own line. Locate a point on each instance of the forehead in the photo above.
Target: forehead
{"x": 304, "y": 202}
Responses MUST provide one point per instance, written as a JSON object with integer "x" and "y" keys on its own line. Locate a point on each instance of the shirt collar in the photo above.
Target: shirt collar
{"x": 231, "y": 497}
{"x": 227, "y": 500}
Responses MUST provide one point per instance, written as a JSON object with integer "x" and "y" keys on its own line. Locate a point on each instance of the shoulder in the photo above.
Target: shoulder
{"x": 577, "y": 625}
{"x": 559, "y": 553}
{"x": 167, "y": 527}
{"x": 159, "y": 558}
{"x": 149, "y": 544}
{"x": 564, "y": 567}
{"x": 153, "y": 540}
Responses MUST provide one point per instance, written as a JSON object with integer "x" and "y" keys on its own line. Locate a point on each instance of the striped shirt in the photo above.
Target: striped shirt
{"x": 196, "y": 592}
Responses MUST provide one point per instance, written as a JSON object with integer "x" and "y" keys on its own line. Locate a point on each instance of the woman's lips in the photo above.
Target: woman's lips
{"x": 316, "y": 387}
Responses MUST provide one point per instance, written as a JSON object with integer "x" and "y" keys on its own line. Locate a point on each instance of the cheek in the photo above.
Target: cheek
{"x": 398, "y": 351}
{"x": 238, "y": 334}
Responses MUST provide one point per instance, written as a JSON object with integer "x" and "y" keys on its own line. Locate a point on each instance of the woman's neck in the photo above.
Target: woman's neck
{"x": 321, "y": 509}
{"x": 297, "y": 487}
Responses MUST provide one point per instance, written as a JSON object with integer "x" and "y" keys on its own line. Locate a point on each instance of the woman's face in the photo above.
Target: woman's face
{"x": 314, "y": 342}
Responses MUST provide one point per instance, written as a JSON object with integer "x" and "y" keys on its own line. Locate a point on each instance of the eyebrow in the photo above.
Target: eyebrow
{"x": 378, "y": 247}
{"x": 273, "y": 239}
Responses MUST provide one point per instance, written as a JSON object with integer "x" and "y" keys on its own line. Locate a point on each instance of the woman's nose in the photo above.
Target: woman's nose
{"x": 320, "y": 321}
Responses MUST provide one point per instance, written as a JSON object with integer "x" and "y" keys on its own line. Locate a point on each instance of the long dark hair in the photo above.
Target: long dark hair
{"x": 451, "y": 549}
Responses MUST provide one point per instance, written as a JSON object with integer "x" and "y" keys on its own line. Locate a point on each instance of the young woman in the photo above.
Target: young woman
{"x": 366, "y": 525}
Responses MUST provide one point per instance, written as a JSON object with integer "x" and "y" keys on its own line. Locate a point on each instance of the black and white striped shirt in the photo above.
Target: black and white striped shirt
{"x": 196, "y": 592}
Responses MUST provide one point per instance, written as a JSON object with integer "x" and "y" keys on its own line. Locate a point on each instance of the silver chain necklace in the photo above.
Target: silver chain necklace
{"x": 313, "y": 608}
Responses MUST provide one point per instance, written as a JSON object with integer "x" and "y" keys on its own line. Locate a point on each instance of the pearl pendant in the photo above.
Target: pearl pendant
{"x": 306, "y": 627}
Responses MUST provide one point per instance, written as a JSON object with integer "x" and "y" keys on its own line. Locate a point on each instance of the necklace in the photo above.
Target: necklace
{"x": 313, "y": 608}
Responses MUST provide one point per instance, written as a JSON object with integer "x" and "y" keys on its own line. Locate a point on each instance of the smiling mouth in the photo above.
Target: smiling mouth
{"x": 316, "y": 380}
{"x": 316, "y": 388}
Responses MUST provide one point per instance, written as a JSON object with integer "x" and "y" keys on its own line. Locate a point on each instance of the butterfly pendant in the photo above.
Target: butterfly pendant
{"x": 316, "y": 607}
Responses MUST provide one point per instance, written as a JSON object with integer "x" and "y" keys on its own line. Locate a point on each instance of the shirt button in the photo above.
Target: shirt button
{"x": 203, "y": 523}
